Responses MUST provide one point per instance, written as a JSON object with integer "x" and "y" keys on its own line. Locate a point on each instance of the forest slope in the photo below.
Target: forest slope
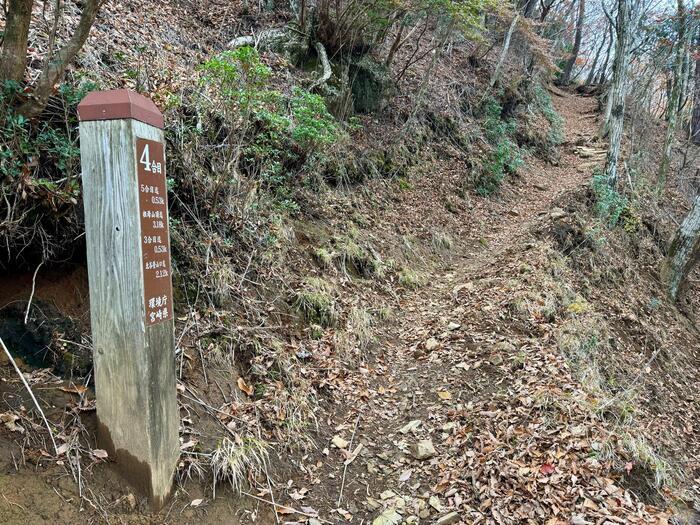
{"x": 402, "y": 299}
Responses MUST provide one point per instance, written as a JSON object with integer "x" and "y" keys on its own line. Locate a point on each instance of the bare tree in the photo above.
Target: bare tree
{"x": 602, "y": 75}
{"x": 592, "y": 70}
{"x": 615, "y": 112}
{"x": 13, "y": 56}
{"x": 695, "y": 120}
{"x": 674, "y": 98}
{"x": 504, "y": 51}
{"x": 684, "y": 251}
{"x": 14, "y": 51}
{"x": 568, "y": 68}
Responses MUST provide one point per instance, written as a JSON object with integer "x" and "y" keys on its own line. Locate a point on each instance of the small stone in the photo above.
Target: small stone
{"x": 387, "y": 494}
{"x": 434, "y": 502}
{"x": 453, "y": 326}
{"x": 410, "y": 426}
{"x": 557, "y": 213}
{"x": 505, "y": 346}
{"x": 431, "y": 344}
{"x": 339, "y": 442}
{"x": 314, "y": 521}
{"x": 424, "y": 449}
{"x": 424, "y": 513}
{"x": 448, "y": 519}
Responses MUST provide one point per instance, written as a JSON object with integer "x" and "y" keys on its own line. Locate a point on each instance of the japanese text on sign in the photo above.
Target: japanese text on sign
{"x": 155, "y": 241}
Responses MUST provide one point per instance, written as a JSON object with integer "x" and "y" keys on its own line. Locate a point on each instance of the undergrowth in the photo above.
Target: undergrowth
{"x": 505, "y": 156}
{"x": 543, "y": 102}
{"x": 613, "y": 208}
{"x": 40, "y": 176}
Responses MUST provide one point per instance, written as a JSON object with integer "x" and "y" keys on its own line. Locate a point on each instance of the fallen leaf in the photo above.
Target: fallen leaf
{"x": 350, "y": 457}
{"x": 74, "y": 389}
{"x": 245, "y": 387}
{"x": 410, "y": 426}
{"x": 388, "y": 517}
{"x": 444, "y": 395}
{"x": 344, "y": 513}
{"x": 10, "y": 421}
{"x": 547, "y": 469}
{"x": 99, "y": 453}
{"x": 299, "y": 494}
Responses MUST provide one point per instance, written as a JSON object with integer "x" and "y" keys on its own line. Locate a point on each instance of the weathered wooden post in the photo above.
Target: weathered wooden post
{"x": 131, "y": 301}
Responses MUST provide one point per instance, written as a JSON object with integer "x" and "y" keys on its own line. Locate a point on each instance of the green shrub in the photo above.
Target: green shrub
{"x": 271, "y": 134}
{"x": 313, "y": 125}
{"x": 411, "y": 279}
{"x": 543, "y": 101}
{"x": 609, "y": 204}
{"x": 315, "y": 302}
{"x": 505, "y": 157}
{"x": 239, "y": 76}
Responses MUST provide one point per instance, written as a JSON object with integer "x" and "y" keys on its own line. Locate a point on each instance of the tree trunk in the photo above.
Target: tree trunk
{"x": 527, "y": 7}
{"x": 604, "y": 69}
{"x": 397, "y": 41}
{"x": 55, "y": 66}
{"x": 13, "y": 57}
{"x": 683, "y": 254}
{"x": 568, "y": 68}
{"x": 674, "y": 100}
{"x": 615, "y": 110}
{"x": 591, "y": 72}
{"x": 695, "y": 125}
{"x": 504, "y": 51}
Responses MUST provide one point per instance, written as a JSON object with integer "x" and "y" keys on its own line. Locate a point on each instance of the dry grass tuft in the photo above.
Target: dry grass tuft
{"x": 232, "y": 461}
{"x": 315, "y": 302}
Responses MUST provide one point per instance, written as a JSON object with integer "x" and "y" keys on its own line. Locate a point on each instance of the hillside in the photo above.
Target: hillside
{"x": 402, "y": 292}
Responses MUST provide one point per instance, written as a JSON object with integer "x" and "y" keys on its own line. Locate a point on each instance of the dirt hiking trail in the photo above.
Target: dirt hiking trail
{"x": 466, "y": 409}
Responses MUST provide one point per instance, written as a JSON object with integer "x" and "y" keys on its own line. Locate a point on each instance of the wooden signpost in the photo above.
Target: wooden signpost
{"x": 131, "y": 302}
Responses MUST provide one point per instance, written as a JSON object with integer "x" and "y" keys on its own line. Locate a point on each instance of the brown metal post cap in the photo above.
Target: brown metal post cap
{"x": 119, "y": 104}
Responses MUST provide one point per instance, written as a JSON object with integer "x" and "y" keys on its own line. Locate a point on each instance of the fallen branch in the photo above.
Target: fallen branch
{"x": 291, "y": 509}
{"x": 26, "y": 385}
{"x": 258, "y": 41}
{"x": 31, "y": 295}
{"x": 346, "y": 463}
